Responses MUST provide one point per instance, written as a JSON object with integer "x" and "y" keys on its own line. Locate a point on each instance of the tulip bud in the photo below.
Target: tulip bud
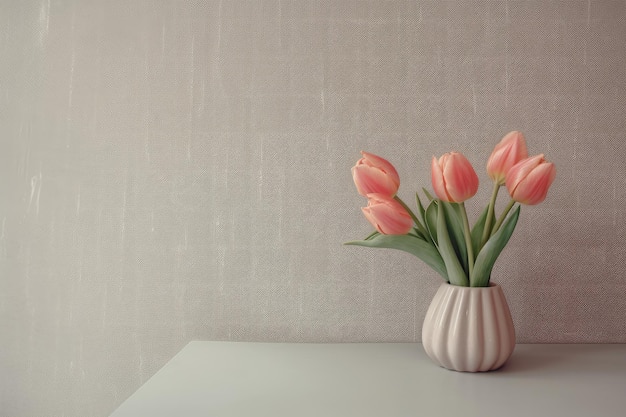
{"x": 510, "y": 150}
{"x": 373, "y": 174}
{"x": 453, "y": 177}
{"x": 528, "y": 181}
{"x": 387, "y": 215}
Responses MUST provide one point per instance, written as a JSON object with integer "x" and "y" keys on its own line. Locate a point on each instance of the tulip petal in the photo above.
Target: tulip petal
{"x": 373, "y": 174}
{"x": 439, "y": 185}
{"x": 372, "y": 180}
{"x": 509, "y": 151}
{"x": 461, "y": 181}
{"x": 535, "y": 186}
{"x": 387, "y": 215}
{"x": 520, "y": 170}
{"x": 529, "y": 180}
{"x": 382, "y": 164}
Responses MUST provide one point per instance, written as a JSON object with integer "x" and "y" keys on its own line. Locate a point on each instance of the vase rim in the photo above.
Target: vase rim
{"x": 491, "y": 285}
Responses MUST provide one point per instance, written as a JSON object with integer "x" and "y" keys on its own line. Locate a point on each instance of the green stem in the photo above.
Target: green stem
{"x": 490, "y": 210}
{"x": 418, "y": 224}
{"x": 503, "y": 216}
{"x": 468, "y": 240}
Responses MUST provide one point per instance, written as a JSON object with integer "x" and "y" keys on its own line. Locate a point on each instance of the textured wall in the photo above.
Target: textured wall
{"x": 180, "y": 170}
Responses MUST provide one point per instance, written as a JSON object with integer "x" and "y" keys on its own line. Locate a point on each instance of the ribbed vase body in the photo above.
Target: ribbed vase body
{"x": 469, "y": 329}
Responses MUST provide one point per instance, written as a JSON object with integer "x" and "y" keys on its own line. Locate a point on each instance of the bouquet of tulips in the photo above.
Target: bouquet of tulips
{"x": 440, "y": 233}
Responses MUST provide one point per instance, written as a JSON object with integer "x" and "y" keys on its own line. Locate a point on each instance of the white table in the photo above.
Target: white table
{"x": 234, "y": 379}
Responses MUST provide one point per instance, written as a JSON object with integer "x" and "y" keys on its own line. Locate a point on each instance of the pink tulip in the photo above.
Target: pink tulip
{"x": 387, "y": 215}
{"x": 528, "y": 181}
{"x": 373, "y": 174}
{"x": 510, "y": 150}
{"x": 453, "y": 178}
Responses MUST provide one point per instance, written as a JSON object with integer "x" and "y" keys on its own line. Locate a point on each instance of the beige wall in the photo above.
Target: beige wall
{"x": 178, "y": 170}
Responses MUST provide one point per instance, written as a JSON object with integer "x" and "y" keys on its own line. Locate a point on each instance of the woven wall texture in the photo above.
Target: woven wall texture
{"x": 178, "y": 170}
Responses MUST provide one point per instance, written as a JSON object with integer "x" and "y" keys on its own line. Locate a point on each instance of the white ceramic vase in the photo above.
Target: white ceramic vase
{"x": 469, "y": 329}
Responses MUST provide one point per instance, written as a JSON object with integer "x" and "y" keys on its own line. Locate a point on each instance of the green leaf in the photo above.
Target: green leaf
{"x": 371, "y": 235}
{"x": 456, "y": 273}
{"x": 489, "y": 253}
{"x": 477, "y": 230}
{"x": 454, "y": 223}
{"x": 423, "y": 227}
{"x": 428, "y": 195}
{"x": 408, "y": 243}
{"x": 418, "y": 233}
{"x": 430, "y": 218}
{"x": 420, "y": 206}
